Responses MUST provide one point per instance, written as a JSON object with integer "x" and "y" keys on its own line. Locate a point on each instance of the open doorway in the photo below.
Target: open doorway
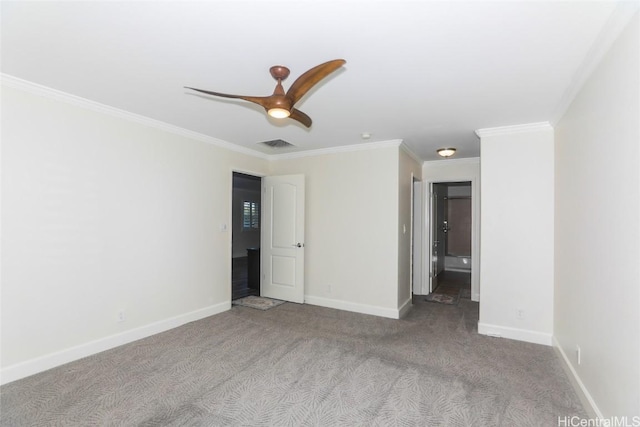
{"x": 245, "y": 241}
{"x": 451, "y": 238}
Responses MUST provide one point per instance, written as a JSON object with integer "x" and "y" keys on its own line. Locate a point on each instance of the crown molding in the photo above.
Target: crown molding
{"x": 617, "y": 22}
{"x": 47, "y": 92}
{"x": 510, "y": 130}
{"x": 411, "y": 153}
{"x": 336, "y": 150}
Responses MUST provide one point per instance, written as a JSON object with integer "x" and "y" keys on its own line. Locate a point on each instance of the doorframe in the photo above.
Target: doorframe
{"x": 475, "y": 230}
{"x": 229, "y": 229}
{"x": 417, "y": 241}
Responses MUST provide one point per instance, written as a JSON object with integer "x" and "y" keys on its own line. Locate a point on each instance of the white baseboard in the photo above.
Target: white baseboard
{"x": 43, "y": 363}
{"x": 582, "y": 392}
{"x": 351, "y": 306}
{"x": 405, "y": 308}
{"x": 514, "y": 333}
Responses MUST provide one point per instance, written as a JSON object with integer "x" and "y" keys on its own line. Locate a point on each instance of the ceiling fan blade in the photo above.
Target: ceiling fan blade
{"x": 300, "y": 116}
{"x": 311, "y": 77}
{"x": 263, "y": 101}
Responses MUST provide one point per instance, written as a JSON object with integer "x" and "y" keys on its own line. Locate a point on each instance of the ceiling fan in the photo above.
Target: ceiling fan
{"x": 280, "y": 104}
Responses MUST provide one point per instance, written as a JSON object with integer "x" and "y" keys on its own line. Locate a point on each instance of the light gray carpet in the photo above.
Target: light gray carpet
{"x": 300, "y": 365}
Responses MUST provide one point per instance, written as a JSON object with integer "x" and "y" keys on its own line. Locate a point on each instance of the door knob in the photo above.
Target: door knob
{"x": 298, "y": 245}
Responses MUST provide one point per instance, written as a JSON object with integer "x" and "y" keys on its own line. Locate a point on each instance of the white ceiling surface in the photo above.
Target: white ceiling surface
{"x": 428, "y": 73}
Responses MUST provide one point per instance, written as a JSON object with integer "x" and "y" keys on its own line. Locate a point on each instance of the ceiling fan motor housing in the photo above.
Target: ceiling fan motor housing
{"x": 279, "y": 72}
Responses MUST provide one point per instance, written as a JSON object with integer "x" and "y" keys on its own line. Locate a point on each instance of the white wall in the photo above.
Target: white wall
{"x": 106, "y": 212}
{"x": 102, "y": 214}
{"x": 408, "y": 169}
{"x": 456, "y": 170}
{"x": 597, "y": 245}
{"x": 516, "y": 269}
{"x": 351, "y": 233}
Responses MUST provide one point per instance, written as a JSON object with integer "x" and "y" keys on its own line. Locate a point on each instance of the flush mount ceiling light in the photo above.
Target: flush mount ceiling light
{"x": 447, "y": 152}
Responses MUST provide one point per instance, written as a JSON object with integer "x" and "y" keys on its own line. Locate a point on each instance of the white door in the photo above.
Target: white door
{"x": 418, "y": 220}
{"x": 283, "y": 238}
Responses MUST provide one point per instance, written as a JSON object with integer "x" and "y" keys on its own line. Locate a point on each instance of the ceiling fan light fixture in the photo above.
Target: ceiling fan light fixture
{"x": 281, "y": 104}
{"x": 446, "y": 152}
{"x": 279, "y": 113}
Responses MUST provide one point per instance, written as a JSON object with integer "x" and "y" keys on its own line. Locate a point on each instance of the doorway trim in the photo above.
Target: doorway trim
{"x": 416, "y": 256}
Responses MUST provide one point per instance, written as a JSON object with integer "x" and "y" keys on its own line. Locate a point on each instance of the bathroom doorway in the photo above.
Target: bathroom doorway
{"x": 245, "y": 240}
{"x": 450, "y": 237}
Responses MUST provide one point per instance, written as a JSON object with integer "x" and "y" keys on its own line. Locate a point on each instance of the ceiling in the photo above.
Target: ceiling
{"x": 425, "y": 72}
